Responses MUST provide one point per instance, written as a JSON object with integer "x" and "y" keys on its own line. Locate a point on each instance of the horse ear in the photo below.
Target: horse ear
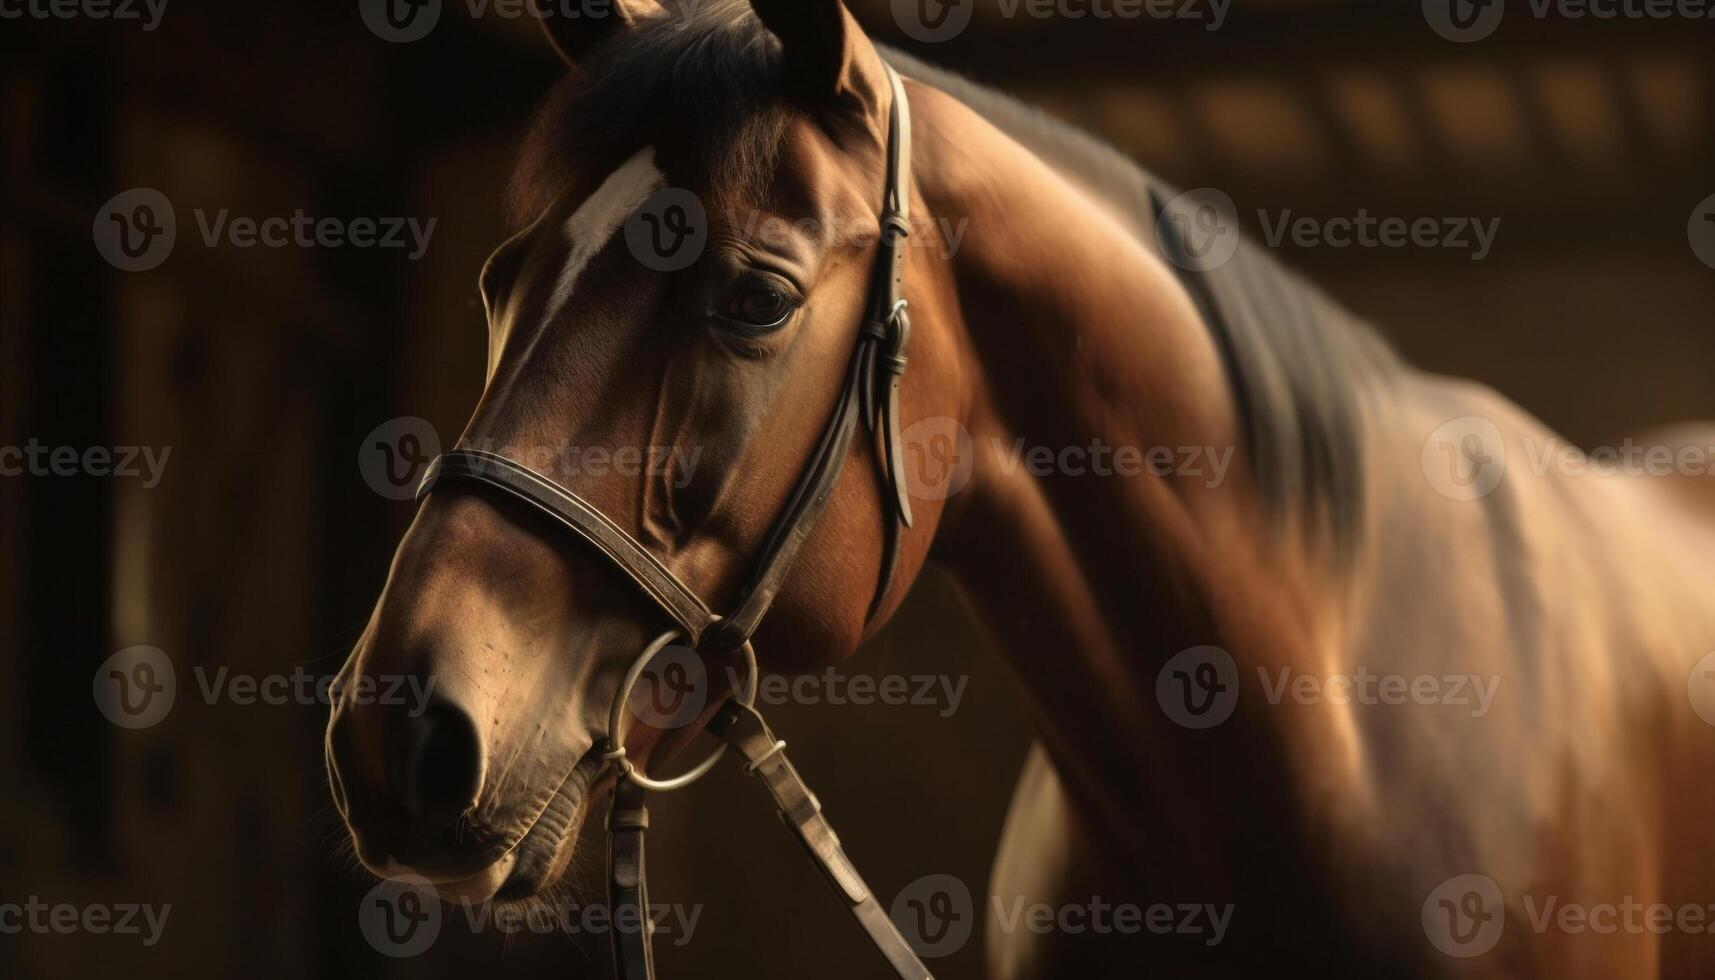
{"x": 573, "y": 31}
{"x": 825, "y": 48}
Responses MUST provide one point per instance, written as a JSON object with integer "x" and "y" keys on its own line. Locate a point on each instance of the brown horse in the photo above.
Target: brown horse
{"x": 1400, "y": 693}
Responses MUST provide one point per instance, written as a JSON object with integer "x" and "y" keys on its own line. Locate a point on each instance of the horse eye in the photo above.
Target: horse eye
{"x": 759, "y": 308}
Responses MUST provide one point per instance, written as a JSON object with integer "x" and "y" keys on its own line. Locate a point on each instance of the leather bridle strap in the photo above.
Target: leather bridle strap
{"x": 742, "y": 728}
{"x": 870, "y": 391}
{"x": 577, "y": 514}
{"x": 628, "y": 884}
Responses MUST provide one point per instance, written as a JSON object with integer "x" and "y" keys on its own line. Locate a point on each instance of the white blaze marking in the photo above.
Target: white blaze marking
{"x": 598, "y": 218}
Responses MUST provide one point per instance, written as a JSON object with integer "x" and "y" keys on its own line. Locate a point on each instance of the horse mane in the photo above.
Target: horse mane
{"x": 1299, "y": 364}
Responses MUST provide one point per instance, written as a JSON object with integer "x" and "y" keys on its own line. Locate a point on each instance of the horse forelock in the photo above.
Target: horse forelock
{"x": 706, "y": 88}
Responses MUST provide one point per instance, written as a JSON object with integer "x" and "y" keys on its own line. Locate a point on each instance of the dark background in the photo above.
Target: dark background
{"x": 263, "y": 548}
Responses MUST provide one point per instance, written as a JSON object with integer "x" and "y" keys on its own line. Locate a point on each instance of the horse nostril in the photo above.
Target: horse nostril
{"x": 443, "y": 764}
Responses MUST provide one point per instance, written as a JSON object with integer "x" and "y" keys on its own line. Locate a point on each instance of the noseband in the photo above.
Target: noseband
{"x": 871, "y": 390}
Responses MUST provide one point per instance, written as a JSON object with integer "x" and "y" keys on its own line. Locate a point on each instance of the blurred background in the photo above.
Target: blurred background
{"x": 261, "y": 547}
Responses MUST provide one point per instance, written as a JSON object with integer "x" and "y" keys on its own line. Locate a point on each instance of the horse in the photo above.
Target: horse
{"x": 1402, "y": 691}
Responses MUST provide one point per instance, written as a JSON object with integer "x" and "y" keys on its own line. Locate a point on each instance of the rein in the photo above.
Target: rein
{"x": 870, "y": 390}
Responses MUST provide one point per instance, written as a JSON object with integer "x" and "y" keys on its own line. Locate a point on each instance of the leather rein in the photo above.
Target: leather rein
{"x": 870, "y": 391}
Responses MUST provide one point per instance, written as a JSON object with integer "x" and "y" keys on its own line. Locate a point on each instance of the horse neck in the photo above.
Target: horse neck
{"x": 1079, "y": 338}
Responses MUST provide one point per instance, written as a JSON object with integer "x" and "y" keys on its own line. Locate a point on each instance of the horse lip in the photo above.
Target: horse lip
{"x": 561, "y": 817}
{"x": 480, "y": 886}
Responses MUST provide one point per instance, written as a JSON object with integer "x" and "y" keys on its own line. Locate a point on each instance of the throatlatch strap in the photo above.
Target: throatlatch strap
{"x": 628, "y": 885}
{"x": 741, "y": 727}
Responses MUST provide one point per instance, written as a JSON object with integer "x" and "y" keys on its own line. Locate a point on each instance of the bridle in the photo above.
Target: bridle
{"x": 871, "y": 390}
